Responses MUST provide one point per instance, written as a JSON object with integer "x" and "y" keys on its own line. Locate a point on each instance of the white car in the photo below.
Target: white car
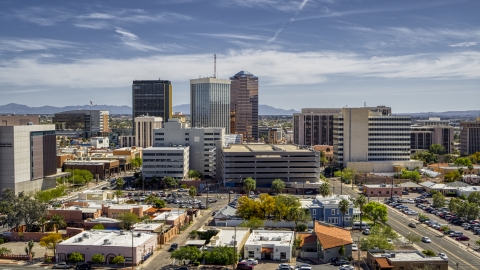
{"x": 354, "y": 247}
{"x": 62, "y": 265}
{"x": 346, "y": 267}
{"x": 250, "y": 261}
{"x": 285, "y": 266}
{"x": 443, "y": 256}
{"x": 426, "y": 239}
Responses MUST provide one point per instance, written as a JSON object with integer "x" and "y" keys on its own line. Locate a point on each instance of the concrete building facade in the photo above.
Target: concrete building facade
{"x": 244, "y": 105}
{"x": 325, "y": 209}
{"x": 371, "y": 138}
{"x": 266, "y": 163}
{"x": 100, "y": 142}
{"x": 27, "y": 157}
{"x": 166, "y": 161}
{"x": 152, "y": 98}
{"x": 314, "y": 126}
{"x": 470, "y": 137}
{"x": 19, "y": 120}
{"x": 271, "y": 135}
{"x": 200, "y": 140}
{"x": 269, "y": 245}
{"x": 210, "y": 103}
{"x": 422, "y": 137}
{"x": 144, "y": 126}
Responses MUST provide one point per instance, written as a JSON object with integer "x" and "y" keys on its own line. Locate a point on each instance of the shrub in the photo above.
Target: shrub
{"x": 428, "y": 252}
{"x": 48, "y": 260}
{"x": 301, "y": 227}
{"x": 196, "y": 263}
{"x": 2, "y": 241}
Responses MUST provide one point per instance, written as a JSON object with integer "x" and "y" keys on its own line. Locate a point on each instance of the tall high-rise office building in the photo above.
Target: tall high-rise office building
{"x": 210, "y": 103}
{"x": 470, "y": 137}
{"x": 152, "y": 98}
{"x": 314, "y": 126}
{"x": 244, "y": 105}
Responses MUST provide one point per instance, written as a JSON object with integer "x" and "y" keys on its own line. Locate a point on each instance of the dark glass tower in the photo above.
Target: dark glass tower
{"x": 152, "y": 98}
{"x": 244, "y": 105}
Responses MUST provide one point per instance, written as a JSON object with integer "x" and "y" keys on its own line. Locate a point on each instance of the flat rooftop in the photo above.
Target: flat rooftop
{"x": 107, "y": 238}
{"x": 277, "y": 238}
{"x": 407, "y": 256}
{"x": 146, "y": 226}
{"x": 225, "y": 235}
{"x": 172, "y": 215}
{"x": 264, "y": 148}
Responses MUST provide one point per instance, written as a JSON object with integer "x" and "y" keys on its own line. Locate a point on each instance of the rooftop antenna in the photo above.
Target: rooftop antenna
{"x": 365, "y": 104}
{"x": 214, "y": 65}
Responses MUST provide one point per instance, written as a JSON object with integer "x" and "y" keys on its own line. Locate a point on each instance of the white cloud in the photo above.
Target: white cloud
{"x": 233, "y": 36}
{"x": 464, "y": 44}
{"x": 41, "y": 16}
{"x": 273, "y": 68}
{"x": 20, "y": 45}
{"x": 133, "y": 41}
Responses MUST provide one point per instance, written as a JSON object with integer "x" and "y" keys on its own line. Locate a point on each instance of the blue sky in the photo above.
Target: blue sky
{"x": 411, "y": 55}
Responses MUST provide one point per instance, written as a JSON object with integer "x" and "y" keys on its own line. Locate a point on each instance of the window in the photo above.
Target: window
{"x": 333, "y": 211}
{"x": 314, "y": 212}
{"x": 187, "y": 139}
{"x": 333, "y": 220}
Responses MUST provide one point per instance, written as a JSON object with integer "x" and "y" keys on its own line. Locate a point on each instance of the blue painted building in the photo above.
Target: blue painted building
{"x": 325, "y": 209}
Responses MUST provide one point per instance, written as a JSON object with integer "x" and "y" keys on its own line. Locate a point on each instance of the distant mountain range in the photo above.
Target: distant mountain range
{"x": 14, "y": 108}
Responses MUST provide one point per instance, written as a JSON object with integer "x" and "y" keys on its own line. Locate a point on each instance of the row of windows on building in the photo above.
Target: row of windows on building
{"x": 162, "y": 166}
{"x": 389, "y": 134}
{"x": 332, "y": 212}
{"x": 389, "y": 149}
{"x": 163, "y": 160}
{"x": 163, "y": 154}
{"x": 165, "y": 172}
{"x": 389, "y": 129}
{"x": 389, "y": 154}
{"x": 390, "y": 124}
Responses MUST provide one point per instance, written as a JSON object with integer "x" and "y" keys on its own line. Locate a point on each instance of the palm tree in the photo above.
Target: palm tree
{"x": 360, "y": 202}
{"x": 343, "y": 206}
{"x": 324, "y": 189}
{"x": 118, "y": 193}
{"x": 249, "y": 184}
{"x": 58, "y": 221}
{"x": 42, "y": 222}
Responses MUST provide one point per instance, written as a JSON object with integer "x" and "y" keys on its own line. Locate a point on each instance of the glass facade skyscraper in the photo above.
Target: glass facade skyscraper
{"x": 152, "y": 98}
{"x": 244, "y": 105}
{"x": 210, "y": 103}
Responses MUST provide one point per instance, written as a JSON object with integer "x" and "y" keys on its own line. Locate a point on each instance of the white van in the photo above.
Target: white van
{"x": 356, "y": 225}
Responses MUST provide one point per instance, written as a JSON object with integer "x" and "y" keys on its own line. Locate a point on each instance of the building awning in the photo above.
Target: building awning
{"x": 267, "y": 250}
{"x": 383, "y": 263}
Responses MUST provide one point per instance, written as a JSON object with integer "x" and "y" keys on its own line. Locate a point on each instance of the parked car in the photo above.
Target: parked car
{"x": 284, "y": 266}
{"x": 62, "y": 265}
{"x": 251, "y": 261}
{"x": 346, "y": 267}
{"x": 462, "y": 238}
{"x": 443, "y": 256}
{"x": 412, "y": 225}
{"x": 244, "y": 266}
{"x": 341, "y": 262}
{"x": 366, "y": 232}
{"x": 354, "y": 247}
{"x": 83, "y": 266}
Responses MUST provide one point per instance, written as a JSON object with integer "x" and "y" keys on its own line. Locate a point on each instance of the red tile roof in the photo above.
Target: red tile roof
{"x": 331, "y": 236}
{"x": 383, "y": 263}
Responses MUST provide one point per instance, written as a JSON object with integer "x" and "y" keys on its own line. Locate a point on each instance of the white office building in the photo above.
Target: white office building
{"x": 28, "y": 157}
{"x": 210, "y": 103}
{"x": 100, "y": 142}
{"x": 200, "y": 140}
{"x": 372, "y": 139}
{"x": 144, "y": 126}
{"x": 166, "y": 161}
{"x": 269, "y": 245}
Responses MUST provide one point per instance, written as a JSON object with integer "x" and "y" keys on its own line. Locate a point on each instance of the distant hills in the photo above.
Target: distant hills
{"x": 14, "y": 108}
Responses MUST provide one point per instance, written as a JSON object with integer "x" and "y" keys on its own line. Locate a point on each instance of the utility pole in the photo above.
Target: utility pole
{"x": 234, "y": 249}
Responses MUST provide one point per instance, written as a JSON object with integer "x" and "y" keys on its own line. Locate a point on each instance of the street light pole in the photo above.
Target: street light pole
{"x": 131, "y": 231}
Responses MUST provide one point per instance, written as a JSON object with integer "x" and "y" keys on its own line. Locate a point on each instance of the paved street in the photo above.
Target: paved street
{"x": 456, "y": 252}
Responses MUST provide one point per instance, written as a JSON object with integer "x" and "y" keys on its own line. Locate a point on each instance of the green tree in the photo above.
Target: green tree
{"x": 98, "y": 258}
{"x": 58, "y": 221}
{"x": 192, "y": 192}
{"x": 437, "y": 149}
{"x": 385, "y": 231}
{"x": 186, "y": 253}
{"x": 341, "y": 250}
{"x": 376, "y": 212}
{"x": 159, "y": 203}
{"x": 127, "y": 220}
{"x": 301, "y": 227}
{"x": 425, "y": 156}
{"x": 360, "y": 203}
{"x": 325, "y": 189}
{"x": 428, "y": 252}
{"x": 438, "y": 200}
{"x": 171, "y": 182}
{"x": 5, "y": 251}
{"x": 297, "y": 214}
{"x": 343, "y": 207}
{"x": 29, "y": 247}
{"x": 445, "y": 228}
{"x": 118, "y": 259}
{"x": 98, "y": 227}
{"x": 463, "y": 161}
{"x": 346, "y": 175}
{"x": 194, "y": 174}
{"x": 452, "y": 176}
{"x": 119, "y": 183}
{"x": 221, "y": 255}
{"x": 412, "y": 238}
{"x": 253, "y": 223}
{"x": 474, "y": 197}
{"x": 50, "y": 241}
{"x": 375, "y": 241}
{"x": 278, "y": 185}
{"x": 412, "y": 175}
{"x": 75, "y": 257}
{"x": 454, "y": 204}
{"x": 249, "y": 184}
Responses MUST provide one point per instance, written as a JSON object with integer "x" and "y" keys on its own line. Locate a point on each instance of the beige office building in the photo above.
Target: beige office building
{"x": 144, "y": 126}
{"x": 422, "y": 137}
{"x": 19, "y": 120}
{"x": 372, "y": 139}
{"x": 470, "y": 137}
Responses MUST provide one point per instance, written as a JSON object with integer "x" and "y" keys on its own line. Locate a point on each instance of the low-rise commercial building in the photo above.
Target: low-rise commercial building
{"x": 75, "y": 216}
{"x": 19, "y": 120}
{"x": 225, "y": 237}
{"x": 99, "y": 168}
{"x": 100, "y": 142}
{"x": 166, "y": 161}
{"x": 467, "y": 190}
{"x": 403, "y": 259}
{"x": 382, "y": 190}
{"x": 110, "y": 244}
{"x": 422, "y": 137}
{"x": 269, "y": 245}
{"x": 266, "y": 163}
